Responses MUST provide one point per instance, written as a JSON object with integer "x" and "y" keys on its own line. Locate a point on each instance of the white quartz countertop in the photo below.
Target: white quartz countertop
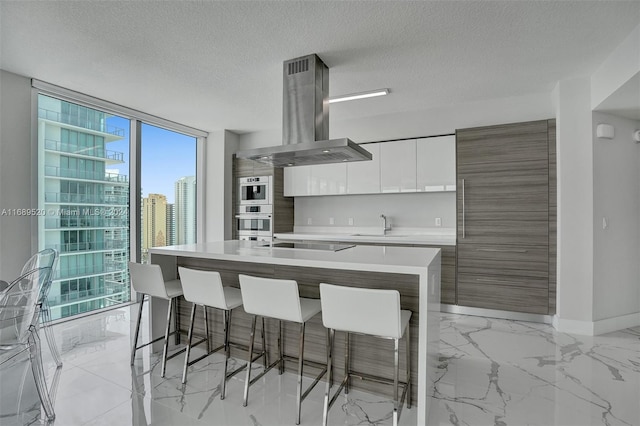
{"x": 364, "y": 237}
{"x": 408, "y": 260}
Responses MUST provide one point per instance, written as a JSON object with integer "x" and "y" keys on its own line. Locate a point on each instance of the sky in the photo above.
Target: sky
{"x": 166, "y": 157}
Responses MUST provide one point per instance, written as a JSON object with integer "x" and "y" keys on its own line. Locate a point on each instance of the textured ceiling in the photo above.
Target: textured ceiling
{"x": 218, "y": 65}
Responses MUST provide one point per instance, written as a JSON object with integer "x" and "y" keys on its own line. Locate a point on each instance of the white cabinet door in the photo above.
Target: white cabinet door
{"x": 436, "y": 164}
{"x": 329, "y": 179}
{"x": 297, "y": 181}
{"x": 363, "y": 177}
{"x": 398, "y": 166}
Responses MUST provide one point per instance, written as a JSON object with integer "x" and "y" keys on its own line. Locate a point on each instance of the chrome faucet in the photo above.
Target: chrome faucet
{"x": 384, "y": 225}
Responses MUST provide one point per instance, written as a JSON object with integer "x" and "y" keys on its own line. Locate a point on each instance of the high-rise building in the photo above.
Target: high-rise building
{"x": 154, "y": 222}
{"x": 84, "y": 205}
{"x": 185, "y": 210}
{"x": 171, "y": 224}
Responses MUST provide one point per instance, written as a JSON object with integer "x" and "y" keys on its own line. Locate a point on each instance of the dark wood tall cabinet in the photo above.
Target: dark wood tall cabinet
{"x": 506, "y": 217}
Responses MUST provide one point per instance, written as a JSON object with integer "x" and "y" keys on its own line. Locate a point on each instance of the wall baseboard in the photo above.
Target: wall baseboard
{"x": 594, "y": 328}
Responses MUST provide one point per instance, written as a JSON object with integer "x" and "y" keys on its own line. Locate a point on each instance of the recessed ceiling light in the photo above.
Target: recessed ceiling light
{"x": 359, "y": 95}
{"x": 325, "y": 151}
{"x": 266, "y": 157}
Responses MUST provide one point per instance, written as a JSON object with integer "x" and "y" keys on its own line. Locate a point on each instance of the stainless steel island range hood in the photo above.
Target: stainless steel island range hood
{"x": 305, "y": 121}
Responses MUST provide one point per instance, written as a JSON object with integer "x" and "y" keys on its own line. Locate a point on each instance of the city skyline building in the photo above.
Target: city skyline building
{"x": 154, "y": 223}
{"x": 185, "y": 210}
{"x": 84, "y": 205}
{"x": 171, "y": 224}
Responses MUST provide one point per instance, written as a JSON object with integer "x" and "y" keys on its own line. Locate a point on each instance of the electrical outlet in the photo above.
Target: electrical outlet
{"x": 350, "y": 221}
{"x": 438, "y": 221}
{"x": 332, "y": 221}
{"x": 309, "y": 221}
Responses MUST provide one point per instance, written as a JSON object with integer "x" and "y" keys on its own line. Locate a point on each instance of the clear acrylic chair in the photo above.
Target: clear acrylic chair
{"x": 47, "y": 258}
{"x": 372, "y": 312}
{"x": 19, "y": 317}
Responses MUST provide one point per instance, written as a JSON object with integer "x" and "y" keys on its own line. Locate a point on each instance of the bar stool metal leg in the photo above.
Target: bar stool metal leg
{"x": 206, "y": 328}
{"x": 135, "y": 338}
{"x": 396, "y": 372}
{"x": 176, "y": 320}
{"x": 300, "y": 366}
{"x": 408, "y": 337}
{"x": 280, "y": 347}
{"x": 189, "y": 340}
{"x": 227, "y": 350}
{"x": 347, "y": 365}
{"x": 330, "y": 339}
{"x": 250, "y": 356}
{"x": 166, "y": 338}
{"x": 264, "y": 348}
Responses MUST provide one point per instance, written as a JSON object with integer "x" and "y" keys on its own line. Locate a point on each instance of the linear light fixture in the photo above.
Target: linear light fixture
{"x": 359, "y": 95}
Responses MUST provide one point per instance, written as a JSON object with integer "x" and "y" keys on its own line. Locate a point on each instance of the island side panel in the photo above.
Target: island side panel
{"x": 369, "y": 354}
{"x": 429, "y": 329}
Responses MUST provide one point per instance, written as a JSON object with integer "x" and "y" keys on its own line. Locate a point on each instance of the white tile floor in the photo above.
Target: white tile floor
{"x": 492, "y": 372}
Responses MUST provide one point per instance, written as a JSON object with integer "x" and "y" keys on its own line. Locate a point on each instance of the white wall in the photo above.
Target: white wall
{"x": 417, "y": 210}
{"x": 15, "y": 172}
{"x": 617, "y": 69}
{"x": 427, "y": 122}
{"x": 575, "y": 205}
{"x": 616, "y": 197}
{"x": 221, "y": 146}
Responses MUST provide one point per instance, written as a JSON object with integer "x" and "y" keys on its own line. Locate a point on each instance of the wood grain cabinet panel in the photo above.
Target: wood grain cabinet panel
{"x": 506, "y": 145}
{"x": 532, "y": 300}
{"x": 527, "y": 261}
{"x": 503, "y": 217}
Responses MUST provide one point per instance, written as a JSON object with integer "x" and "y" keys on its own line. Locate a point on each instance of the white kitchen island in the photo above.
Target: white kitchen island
{"x": 415, "y": 272}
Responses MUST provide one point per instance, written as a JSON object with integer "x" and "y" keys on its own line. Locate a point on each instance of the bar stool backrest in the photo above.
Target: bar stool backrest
{"x": 361, "y": 310}
{"x": 148, "y": 279}
{"x": 269, "y": 297}
{"x": 203, "y": 287}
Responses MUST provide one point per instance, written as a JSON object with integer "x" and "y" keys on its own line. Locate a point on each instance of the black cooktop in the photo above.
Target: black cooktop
{"x": 309, "y": 246}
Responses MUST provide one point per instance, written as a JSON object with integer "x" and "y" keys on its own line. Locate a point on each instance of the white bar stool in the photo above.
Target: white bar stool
{"x": 278, "y": 299}
{"x": 148, "y": 280}
{"x": 365, "y": 311}
{"x": 205, "y": 288}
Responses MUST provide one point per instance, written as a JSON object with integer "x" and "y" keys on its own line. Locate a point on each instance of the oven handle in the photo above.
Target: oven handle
{"x": 257, "y": 216}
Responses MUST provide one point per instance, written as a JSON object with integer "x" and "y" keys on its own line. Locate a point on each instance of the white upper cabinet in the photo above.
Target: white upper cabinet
{"x": 422, "y": 165}
{"x": 363, "y": 177}
{"x": 297, "y": 181}
{"x": 398, "y": 166}
{"x": 436, "y": 164}
{"x": 329, "y": 179}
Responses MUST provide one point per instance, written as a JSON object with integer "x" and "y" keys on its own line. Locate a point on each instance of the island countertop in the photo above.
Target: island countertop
{"x": 406, "y": 260}
{"x": 415, "y": 271}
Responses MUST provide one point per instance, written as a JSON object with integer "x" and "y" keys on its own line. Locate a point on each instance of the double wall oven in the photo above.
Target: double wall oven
{"x": 254, "y": 219}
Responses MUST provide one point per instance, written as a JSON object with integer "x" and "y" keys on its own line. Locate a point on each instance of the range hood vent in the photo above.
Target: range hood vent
{"x": 305, "y": 121}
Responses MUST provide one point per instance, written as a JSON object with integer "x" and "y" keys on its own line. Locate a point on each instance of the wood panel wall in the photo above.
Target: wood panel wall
{"x": 553, "y": 217}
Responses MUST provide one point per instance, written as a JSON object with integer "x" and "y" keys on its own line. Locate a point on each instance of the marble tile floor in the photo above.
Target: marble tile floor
{"x": 491, "y": 372}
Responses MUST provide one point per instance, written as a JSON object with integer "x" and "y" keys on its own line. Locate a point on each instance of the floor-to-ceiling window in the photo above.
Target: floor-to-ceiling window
{"x": 83, "y": 193}
{"x": 97, "y": 162}
{"x": 168, "y": 176}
